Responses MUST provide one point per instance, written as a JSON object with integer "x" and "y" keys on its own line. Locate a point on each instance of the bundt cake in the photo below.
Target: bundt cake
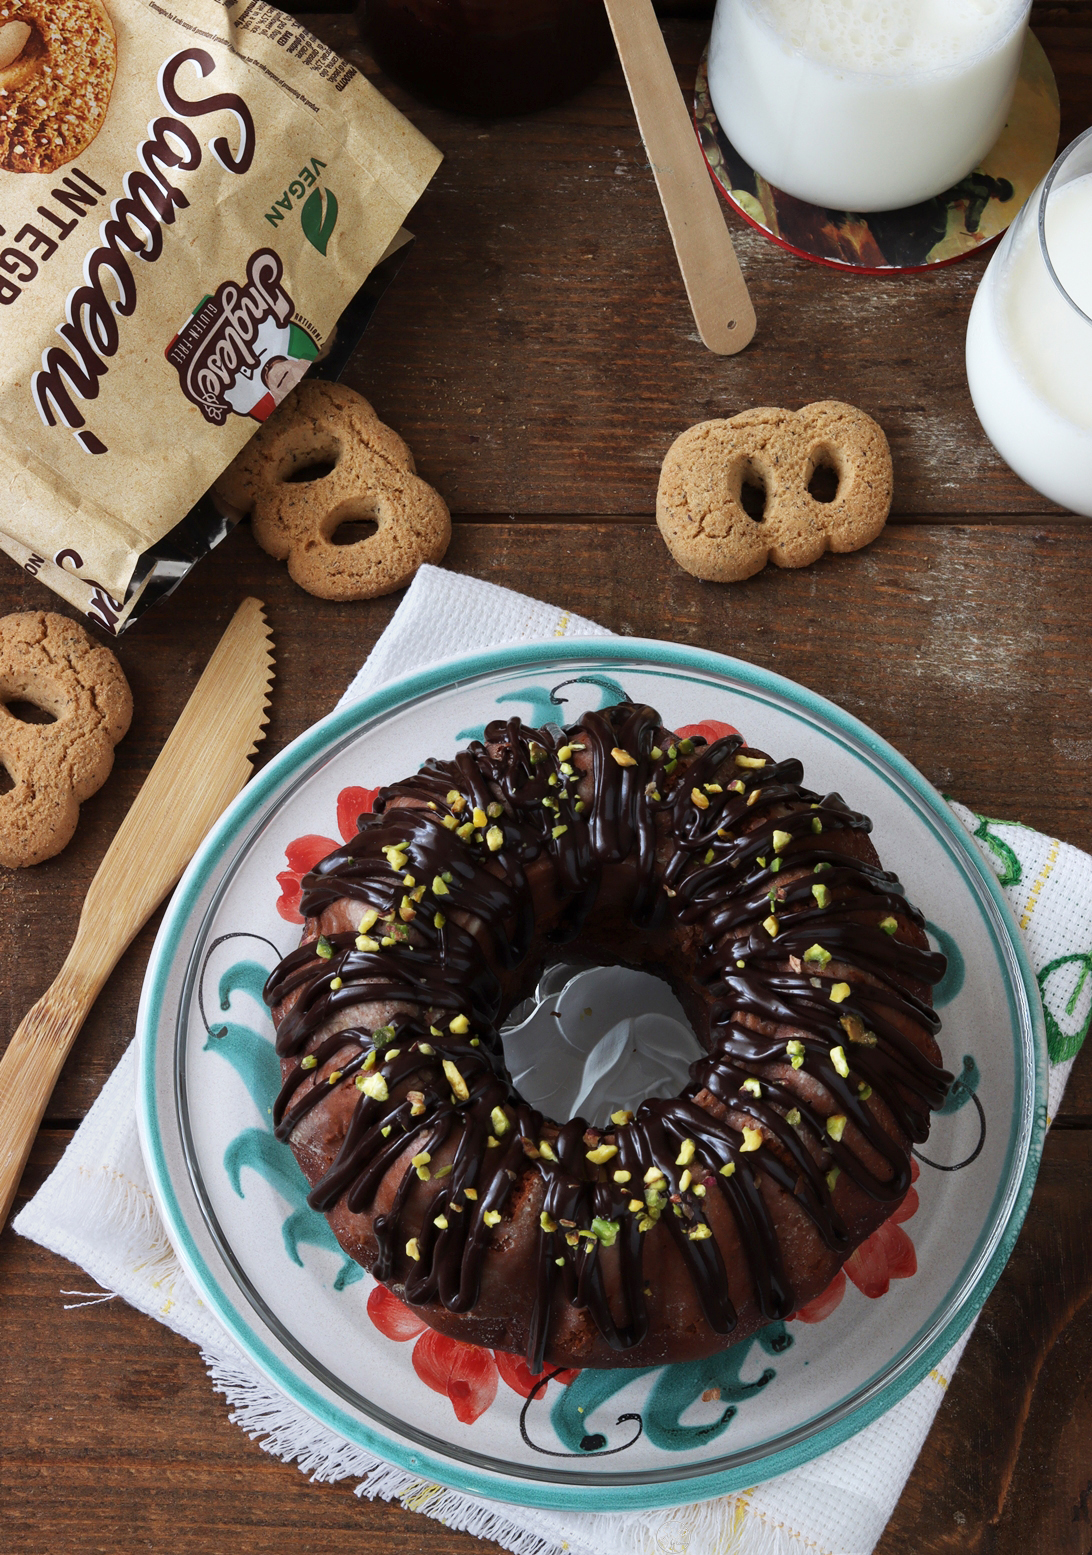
{"x": 680, "y": 1229}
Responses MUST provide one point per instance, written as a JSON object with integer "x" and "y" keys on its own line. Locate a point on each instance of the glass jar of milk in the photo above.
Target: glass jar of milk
{"x": 864, "y": 105}
{"x": 1029, "y": 337}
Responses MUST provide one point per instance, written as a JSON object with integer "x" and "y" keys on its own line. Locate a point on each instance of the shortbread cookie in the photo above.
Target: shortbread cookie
{"x": 698, "y": 502}
{"x": 372, "y": 478}
{"x": 57, "y": 64}
{"x": 50, "y": 661}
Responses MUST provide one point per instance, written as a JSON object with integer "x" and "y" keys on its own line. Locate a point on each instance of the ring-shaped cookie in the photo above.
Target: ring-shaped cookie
{"x": 57, "y": 64}
{"x": 50, "y": 661}
{"x": 372, "y": 478}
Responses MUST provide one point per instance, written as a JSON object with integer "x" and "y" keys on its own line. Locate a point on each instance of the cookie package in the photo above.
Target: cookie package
{"x": 199, "y": 203}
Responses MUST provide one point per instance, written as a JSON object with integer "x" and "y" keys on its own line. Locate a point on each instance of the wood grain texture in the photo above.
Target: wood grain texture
{"x": 537, "y": 353}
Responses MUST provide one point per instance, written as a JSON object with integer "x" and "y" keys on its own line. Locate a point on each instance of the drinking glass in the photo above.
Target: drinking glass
{"x": 864, "y": 105}
{"x": 1029, "y": 336}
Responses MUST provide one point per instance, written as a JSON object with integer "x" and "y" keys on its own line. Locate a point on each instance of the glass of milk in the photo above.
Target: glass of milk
{"x": 1029, "y": 337}
{"x": 864, "y": 105}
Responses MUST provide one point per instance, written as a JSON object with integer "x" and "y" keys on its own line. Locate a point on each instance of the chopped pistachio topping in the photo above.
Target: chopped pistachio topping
{"x": 491, "y": 1143}
{"x": 775, "y": 867}
{"x": 797, "y": 1052}
{"x": 833, "y": 1176}
{"x": 495, "y": 810}
{"x": 686, "y": 746}
{"x": 426, "y": 1047}
{"x": 655, "y": 753}
{"x": 636, "y": 1207}
{"x": 323, "y": 949}
{"x": 752, "y": 1085}
{"x": 492, "y": 1217}
{"x": 699, "y": 1189}
{"x": 672, "y": 752}
{"x": 750, "y": 761}
{"x": 864, "y": 1090}
{"x": 738, "y": 787}
{"x": 601, "y": 1153}
{"x": 546, "y": 1150}
{"x": 546, "y": 1222}
{"x": 792, "y": 1117}
{"x": 623, "y": 758}
{"x": 564, "y": 752}
{"x": 621, "y": 1117}
{"x": 708, "y": 856}
{"x": 819, "y": 868}
{"x": 494, "y": 839}
{"x": 781, "y": 840}
{"x": 654, "y": 1174}
{"x": 334, "y": 1076}
{"x": 369, "y": 1063}
{"x": 622, "y": 1176}
{"x": 839, "y": 993}
{"x": 374, "y": 1085}
{"x": 821, "y": 895}
{"x": 471, "y": 1193}
{"x": 422, "y": 1158}
{"x": 686, "y": 1153}
{"x": 365, "y": 942}
{"x": 816, "y": 825}
{"x": 645, "y": 1223}
{"x": 441, "y": 1221}
{"x": 889, "y": 925}
{"x": 465, "y": 831}
{"x": 670, "y": 767}
{"x": 741, "y": 963}
{"x": 455, "y": 1080}
{"x": 761, "y": 862}
{"x": 385, "y": 1130}
{"x": 558, "y": 831}
{"x": 700, "y": 1232}
{"x": 368, "y": 920}
{"x": 499, "y": 1119}
{"x": 308, "y": 1061}
{"x": 771, "y": 926}
{"x": 567, "y": 768}
{"x": 438, "y": 920}
{"x": 728, "y": 1169}
{"x": 416, "y": 1100}
{"x": 459, "y": 1025}
{"x": 838, "y": 1059}
{"x": 479, "y": 817}
{"x": 413, "y": 1250}
{"x": 605, "y": 1230}
{"x": 450, "y": 822}
{"x": 752, "y": 1138}
{"x": 685, "y": 1180}
{"x": 699, "y": 799}
{"x": 580, "y": 806}
{"x": 836, "y": 1125}
{"x": 815, "y": 955}
{"x": 753, "y": 797}
{"x": 438, "y": 886}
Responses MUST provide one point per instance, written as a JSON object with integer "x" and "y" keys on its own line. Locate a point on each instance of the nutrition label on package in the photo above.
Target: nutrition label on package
{"x": 285, "y": 31}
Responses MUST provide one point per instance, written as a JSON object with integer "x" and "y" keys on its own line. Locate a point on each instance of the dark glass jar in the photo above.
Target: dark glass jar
{"x": 488, "y": 57}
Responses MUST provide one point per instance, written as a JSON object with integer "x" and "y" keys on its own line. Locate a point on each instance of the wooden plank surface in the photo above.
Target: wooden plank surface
{"x": 536, "y": 353}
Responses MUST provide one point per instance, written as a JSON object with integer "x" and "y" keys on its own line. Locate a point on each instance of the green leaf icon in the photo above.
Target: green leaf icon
{"x": 1066, "y": 987}
{"x": 319, "y": 224}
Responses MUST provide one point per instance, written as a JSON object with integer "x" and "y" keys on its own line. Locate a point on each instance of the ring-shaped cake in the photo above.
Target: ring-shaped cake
{"x": 682, "y": 1228}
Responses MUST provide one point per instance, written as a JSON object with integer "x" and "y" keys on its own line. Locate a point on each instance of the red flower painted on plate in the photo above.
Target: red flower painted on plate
{"x": 709, "y": 728}
{"x": 305, "y": 852}
{"x": 466, "y": 1374}
{"x": 888, "y": 1254}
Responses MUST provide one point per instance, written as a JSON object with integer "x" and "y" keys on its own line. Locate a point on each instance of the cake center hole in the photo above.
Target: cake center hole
{"x": 7, "y": 782}
{"x": 317, "y": 470}
{"x": 593, "y": 1040}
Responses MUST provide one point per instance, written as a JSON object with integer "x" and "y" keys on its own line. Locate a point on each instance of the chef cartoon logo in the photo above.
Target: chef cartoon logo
{"x": 241, "y": 351}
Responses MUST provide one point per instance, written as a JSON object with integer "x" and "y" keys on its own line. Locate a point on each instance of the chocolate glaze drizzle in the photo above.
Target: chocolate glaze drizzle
{"x": 733, "y": 876}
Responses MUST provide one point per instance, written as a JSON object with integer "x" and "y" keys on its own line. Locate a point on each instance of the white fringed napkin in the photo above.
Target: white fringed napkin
{"x": 96, "y": 1209}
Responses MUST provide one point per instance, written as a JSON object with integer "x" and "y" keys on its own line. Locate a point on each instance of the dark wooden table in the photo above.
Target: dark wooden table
{"x": 538, "y": 355}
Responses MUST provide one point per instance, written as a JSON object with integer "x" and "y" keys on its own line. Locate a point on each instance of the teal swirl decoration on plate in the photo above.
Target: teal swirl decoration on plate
{"x": 254, "y": 1060}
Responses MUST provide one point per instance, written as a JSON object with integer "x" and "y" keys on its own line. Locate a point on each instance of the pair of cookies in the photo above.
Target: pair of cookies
{"x": 699, "y": 503}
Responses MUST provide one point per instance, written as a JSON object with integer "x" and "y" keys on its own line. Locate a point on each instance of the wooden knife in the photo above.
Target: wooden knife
{"x": 200, "y": 769}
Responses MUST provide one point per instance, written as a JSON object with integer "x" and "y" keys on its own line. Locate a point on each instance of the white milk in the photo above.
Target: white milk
{"x": 1029, "y": 354}
{"x": 864, "y": 105}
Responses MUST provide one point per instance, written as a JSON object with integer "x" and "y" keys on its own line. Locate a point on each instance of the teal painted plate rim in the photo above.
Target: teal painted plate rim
{"x": 228, "y": 841}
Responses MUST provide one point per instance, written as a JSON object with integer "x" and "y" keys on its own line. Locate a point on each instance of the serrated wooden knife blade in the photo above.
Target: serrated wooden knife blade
{"x": 202, "y": 766}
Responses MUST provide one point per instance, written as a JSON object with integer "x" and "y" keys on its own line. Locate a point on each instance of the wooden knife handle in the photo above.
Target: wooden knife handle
{"x": 29, "y": 1069}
